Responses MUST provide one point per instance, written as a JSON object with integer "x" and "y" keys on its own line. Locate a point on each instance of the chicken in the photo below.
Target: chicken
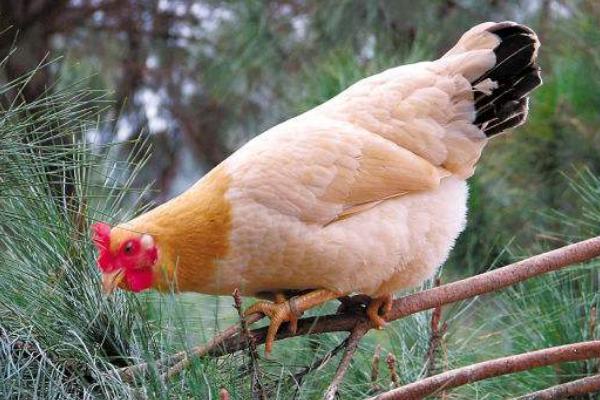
{"x": 365, "y": 193}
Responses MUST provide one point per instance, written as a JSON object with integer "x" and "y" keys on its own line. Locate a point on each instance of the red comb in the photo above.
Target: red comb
{"x": 101, "y": 234}
{"x": 101, "y": 238}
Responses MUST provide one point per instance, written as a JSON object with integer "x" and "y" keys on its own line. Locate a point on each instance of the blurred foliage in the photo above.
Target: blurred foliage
{"x": 195, "y": 80}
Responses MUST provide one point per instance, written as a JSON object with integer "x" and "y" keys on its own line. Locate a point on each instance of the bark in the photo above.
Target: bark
{"x": 589, "y": 384}
{"x": 350, "y": 348}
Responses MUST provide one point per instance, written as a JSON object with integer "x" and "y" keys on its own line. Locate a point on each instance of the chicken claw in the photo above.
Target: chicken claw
{"x": 283, "y": 310}
{"x": 382, "y": 303}
{"x": 278, "y": 313}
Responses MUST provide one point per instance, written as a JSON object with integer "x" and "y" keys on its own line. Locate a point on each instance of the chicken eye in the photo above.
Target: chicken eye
{"x": 128, "y": 249}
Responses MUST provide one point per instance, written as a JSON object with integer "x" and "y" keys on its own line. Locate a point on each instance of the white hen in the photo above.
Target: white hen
{"x": 363, "y": 194}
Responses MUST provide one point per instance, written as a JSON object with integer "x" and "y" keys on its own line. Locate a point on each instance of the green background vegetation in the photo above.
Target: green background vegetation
{"x": 140, "y": 98}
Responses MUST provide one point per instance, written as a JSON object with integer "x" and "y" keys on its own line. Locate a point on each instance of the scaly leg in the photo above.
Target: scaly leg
{"x": 288, "y": 310}
{"x": 280, "y": 299}
{"x": 383, "y": 303}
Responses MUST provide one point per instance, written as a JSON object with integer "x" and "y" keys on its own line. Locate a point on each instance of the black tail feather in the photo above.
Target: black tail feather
{"x": 514, "y": 114}
{"x": 515, "y": 74}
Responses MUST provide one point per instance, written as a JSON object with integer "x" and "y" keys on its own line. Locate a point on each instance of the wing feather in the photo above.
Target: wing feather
{"x": 321, "y": 169}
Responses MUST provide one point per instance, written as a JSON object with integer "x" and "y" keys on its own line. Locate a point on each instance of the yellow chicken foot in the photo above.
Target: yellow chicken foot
{"x": 283, "y": 310}
{"x": 382, "y": 303}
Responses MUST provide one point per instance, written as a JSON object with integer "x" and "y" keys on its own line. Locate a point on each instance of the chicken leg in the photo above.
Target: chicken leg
{"x": 282, "y": 310}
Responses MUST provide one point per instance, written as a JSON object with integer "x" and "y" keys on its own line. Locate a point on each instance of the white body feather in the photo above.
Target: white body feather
{"x": 395, "y": 245}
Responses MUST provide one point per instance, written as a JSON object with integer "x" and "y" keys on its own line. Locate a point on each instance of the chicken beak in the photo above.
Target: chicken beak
{"x": 110, "y": 280}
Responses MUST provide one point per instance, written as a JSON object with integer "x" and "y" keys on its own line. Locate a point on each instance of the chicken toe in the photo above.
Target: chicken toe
{"x": 283, "y": 310}
{"x": 381, "y": 304}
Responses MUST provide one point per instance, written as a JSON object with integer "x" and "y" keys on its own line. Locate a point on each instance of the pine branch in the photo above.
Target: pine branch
{"x": 350, "y": 348}
{"x": 492, "y": 368}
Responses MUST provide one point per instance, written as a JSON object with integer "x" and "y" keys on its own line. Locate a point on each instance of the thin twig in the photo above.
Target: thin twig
{"x": 492, "y": 368}
{"x": 258, "y": 391}
{"x": 390, "y": 360}
{"x": 350, "y": 348}
{"x": 593, "y": 364}
{"x": 435, "y": 297}
{"x": 181, "y": 359}
{"x": 589, "y": 384}
{"x": 317, "y": 364}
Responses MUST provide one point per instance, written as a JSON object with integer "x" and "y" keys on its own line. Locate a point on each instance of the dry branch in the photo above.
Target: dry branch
{"x": 589, "y": 384}
{"x": 350, "y": 348}
{"x": 185, "y": 358}
{"x": 492, "y": 368}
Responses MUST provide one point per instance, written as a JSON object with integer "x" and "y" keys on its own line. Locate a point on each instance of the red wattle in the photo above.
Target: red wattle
{"x": 138, "y": 279}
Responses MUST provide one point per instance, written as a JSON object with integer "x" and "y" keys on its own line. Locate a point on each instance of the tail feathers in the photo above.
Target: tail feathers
{"x": 515, "y": 74}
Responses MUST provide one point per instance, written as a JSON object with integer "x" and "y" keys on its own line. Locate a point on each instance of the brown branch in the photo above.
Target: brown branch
{"x": 492, "y": 368}
{"x": 589, "y": 384}
{"x": 435, "y": 297}
{"x": 351, "y": 345}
